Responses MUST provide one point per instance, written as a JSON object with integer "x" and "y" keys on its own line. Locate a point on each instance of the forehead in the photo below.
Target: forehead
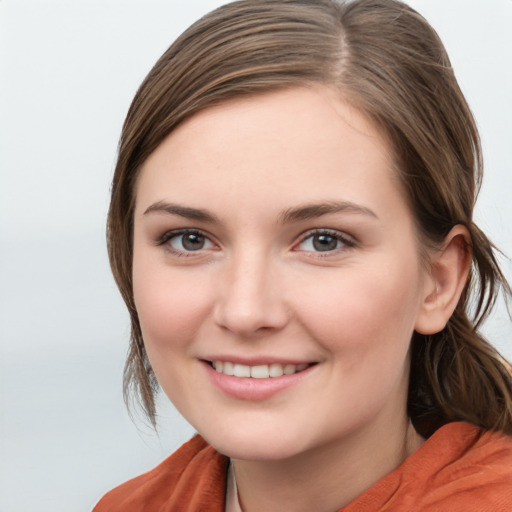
{"x": 313, "y": 113}
{"x": 280, "y": 145}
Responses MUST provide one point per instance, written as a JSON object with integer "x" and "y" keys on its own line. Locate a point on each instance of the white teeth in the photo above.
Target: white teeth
{"x": 259, "y": 372}
{"x": 228, "y": 368}
{"x": 262, "y": 371}
{"x": 242, "y": 370}
{"x": 289, "y": 369}
{"x": 276, "y": 370}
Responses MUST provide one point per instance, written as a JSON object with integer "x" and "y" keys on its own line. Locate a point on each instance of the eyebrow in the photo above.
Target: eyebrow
{"x": 304, "y": 212}
{"x": 311, "y": 211}
{"x": 182, "y": 211}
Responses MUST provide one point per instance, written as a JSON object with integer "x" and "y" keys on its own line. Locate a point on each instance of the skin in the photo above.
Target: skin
{"x": 259, "y": 289}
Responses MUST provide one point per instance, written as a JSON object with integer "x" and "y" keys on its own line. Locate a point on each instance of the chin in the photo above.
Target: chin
{"x": 258, "y": 445}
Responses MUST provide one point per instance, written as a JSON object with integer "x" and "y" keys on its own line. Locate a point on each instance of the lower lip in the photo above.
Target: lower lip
{"x": 245, "y": 388}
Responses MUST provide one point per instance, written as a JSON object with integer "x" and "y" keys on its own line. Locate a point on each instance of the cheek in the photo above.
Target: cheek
{"x": 364, "y": 309}
{"x": 170, "y": 306}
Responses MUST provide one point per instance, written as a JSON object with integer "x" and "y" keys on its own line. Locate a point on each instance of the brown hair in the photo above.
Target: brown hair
{"x": 386, "y": 60}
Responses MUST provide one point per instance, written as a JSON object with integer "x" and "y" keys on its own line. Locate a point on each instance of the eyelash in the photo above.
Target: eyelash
{"x": 167, "y": 237}
{"x": 346, "y": 241}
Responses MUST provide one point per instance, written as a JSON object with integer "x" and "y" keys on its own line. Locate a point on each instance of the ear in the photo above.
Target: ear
{"x": 449, "y": 269}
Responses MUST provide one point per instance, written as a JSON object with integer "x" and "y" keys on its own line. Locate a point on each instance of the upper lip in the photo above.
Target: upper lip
{"x": 256, "y": 361}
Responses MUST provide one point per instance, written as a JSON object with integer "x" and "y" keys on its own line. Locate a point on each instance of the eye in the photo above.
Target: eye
{"x": 324, "y": 241}
{"x": 186, "y": 241}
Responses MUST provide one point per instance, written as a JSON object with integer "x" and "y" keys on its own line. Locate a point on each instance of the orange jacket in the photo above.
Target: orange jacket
{"x": 461, "y": 468}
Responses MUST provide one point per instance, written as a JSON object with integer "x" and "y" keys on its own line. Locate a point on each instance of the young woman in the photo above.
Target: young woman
{"x": 291, "y": 229}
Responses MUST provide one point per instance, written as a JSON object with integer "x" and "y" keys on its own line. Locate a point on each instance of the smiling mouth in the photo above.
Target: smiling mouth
{"x": 262, "y": 371}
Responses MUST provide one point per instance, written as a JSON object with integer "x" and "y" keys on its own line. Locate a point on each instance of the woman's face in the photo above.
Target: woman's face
{"x": 272, "y": 239}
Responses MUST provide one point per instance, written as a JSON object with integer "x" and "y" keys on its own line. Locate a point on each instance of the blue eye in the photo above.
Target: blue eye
{"x": 187, "y": 241}
{"x": 324, "y": 241}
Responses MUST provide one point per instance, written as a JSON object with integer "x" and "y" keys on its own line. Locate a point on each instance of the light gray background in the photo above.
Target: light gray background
{"x": 68, "y": 71}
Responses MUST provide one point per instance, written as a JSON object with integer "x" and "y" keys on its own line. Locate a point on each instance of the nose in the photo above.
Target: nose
{"x": 251, "y": 299}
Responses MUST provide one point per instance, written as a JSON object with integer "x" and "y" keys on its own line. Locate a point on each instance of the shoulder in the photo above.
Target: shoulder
{"x": 192, "y": 478}
{"x": 477, "y": 472}
{"x": 461, "y": 467}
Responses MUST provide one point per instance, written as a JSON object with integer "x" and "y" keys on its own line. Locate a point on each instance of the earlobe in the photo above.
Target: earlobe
{"x": 449, "y": 269}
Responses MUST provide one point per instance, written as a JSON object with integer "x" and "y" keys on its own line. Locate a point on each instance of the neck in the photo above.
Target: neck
{"x": 326, "y": 478}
